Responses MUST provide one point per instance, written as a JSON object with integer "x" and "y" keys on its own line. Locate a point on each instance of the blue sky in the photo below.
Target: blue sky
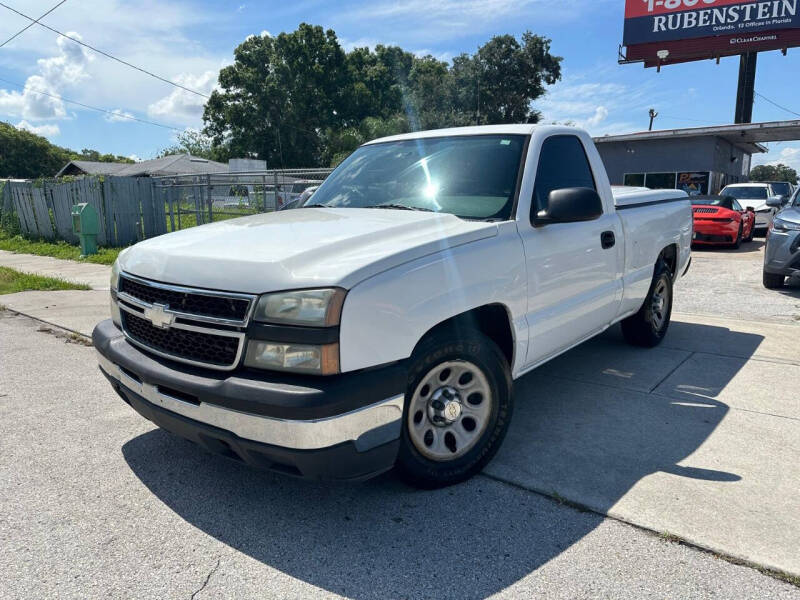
{"x": 188, "y": 41}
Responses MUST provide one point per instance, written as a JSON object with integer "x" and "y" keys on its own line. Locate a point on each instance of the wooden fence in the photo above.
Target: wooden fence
{"x": 128, "y": 208}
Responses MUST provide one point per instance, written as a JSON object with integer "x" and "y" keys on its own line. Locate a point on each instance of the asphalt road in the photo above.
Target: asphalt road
{"x": 96, "y": 502}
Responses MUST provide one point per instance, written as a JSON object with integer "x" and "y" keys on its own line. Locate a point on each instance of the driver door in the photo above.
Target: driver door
{"x": 574, "y": 277}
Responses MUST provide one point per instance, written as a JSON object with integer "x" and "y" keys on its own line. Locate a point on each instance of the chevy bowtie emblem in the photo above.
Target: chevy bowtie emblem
{"x": 159, "y": 316}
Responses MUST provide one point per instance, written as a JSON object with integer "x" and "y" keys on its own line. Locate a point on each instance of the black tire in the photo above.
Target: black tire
{"x": 772, "y": 281}
{"x": 738, "y": 241}
{"x": 645, "y": 328}
{"x": 482, "y": 353}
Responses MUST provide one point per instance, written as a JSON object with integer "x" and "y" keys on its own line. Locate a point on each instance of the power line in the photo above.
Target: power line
{"x": 776, "y": 104}
{"x": 106, "y": 54}
{"x": 118, "y": 115}
{"x": 29, "y": 25}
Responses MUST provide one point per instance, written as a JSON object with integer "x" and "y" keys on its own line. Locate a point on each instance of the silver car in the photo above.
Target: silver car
{"x": 782, "y": 254}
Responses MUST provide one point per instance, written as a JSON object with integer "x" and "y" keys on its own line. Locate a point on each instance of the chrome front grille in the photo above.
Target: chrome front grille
{"x": 189, "y": 325}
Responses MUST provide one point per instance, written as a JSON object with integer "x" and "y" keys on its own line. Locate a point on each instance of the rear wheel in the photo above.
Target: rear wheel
{"x": 458, "y": 407}
{"x": 649, "y": 326}
{"x": 738, "y": 241}
{"x": 772, "y": 281}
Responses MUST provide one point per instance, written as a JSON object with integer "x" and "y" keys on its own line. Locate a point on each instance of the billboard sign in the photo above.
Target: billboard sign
{"x": 670, "y": 31}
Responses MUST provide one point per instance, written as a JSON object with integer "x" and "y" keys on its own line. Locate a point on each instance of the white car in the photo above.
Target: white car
{"x": 754, "y": 195}
{"x": 385, "y": 325}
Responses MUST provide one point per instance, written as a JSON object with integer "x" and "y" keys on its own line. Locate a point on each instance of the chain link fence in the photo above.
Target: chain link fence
{"x": 198, "y": 199}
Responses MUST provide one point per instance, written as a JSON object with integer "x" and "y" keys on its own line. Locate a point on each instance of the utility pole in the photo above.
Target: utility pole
{"x": 746, "y": 88}
{"x": 653, "y": 115}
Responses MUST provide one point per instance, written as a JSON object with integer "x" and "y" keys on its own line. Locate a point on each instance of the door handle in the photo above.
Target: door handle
{"x": 607, "y": 239}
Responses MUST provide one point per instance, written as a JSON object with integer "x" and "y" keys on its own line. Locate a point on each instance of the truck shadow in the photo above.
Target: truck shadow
{"x": 588, "y": 442}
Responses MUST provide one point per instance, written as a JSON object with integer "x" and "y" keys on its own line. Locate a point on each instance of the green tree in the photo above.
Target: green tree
{"x": 278, "y": 97}
{"x": 196, "y": 143}
{"x": 779, "y": 172}
{"x": 298, "y": 100}
{"x": 26, "y": 155}
{"x": 95, "y": 156}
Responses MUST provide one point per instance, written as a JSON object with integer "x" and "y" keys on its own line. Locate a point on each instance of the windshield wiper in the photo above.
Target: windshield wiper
{"x": 315, "y": 206}
{"x": 401, "y": 207}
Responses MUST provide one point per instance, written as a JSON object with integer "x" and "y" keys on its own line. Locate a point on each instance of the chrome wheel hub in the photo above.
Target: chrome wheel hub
{"x": 450, "y": 410}
{"x": 444, "y": 407}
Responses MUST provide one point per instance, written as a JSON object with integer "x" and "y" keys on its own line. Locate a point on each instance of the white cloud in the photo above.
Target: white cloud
{"x": 601, "y": 107}
{"x": 45, "y": 130}
{"x": 600, "y": 115}
{"x": 266, "y": 33}
{"x": 55, "y": 73}
{"x": 789, "y": 156}
{"x": 118, "y": 115}
{"x": 135, "y": 158}
{"x": 183, "y": 106}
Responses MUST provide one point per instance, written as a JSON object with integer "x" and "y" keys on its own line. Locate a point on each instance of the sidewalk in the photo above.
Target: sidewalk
{"x": 95, "y": 276}
{"x": 77, "y": 311}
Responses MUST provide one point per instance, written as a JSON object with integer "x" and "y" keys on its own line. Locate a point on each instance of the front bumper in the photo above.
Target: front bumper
{"x": 782, "y": 253}
{"x": 763, "y": 219}
{"x": 343, "y": 427}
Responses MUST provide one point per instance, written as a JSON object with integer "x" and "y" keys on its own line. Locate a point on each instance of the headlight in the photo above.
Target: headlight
{"x": 316, "y": 308}
{"x": 782, "y": 225}
{"x": 115, "y": 275}
{"x": 299, "y": 358}
{"x": 116, "y": 317}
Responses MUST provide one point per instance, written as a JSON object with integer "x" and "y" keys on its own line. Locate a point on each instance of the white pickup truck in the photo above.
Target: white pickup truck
{"x": 383, "y": 324}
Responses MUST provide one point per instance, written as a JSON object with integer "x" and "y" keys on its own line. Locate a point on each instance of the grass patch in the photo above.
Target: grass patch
{"x": 12, "y": 281}
{"x": 19, "y": 244}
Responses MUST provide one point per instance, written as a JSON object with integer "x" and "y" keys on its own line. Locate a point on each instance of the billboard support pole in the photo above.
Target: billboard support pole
{"x": 746, "y": 90}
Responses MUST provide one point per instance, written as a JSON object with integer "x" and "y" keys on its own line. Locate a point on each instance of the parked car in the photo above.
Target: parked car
{"x": 783, "y": 189}
{"x": 721, "y": 220}
{"x": 386, "y": 327}
{"x": 755, "y": 195}
{"x": 301, "y": 200}
{"x": 294, "y": 190}
{"x": 782, "y": 253}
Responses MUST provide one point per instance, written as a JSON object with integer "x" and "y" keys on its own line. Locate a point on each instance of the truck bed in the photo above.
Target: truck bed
{"x": 628, "y": 197}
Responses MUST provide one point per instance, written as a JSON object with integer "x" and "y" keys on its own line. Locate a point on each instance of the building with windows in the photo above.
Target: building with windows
{"x": 700, "y": 160}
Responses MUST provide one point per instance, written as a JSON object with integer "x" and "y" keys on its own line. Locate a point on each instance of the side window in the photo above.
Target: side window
{"x": 737, "y": 206}
{"x": 562, "y": 164}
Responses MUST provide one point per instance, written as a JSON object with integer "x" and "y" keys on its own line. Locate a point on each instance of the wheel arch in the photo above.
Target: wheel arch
{"x": 669, "y": 254}
{"x": 493, "y": 320}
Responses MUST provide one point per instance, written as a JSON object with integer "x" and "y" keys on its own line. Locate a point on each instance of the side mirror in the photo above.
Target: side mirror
{"x": 775, "y": 201}
{"x": 570, "y": 205}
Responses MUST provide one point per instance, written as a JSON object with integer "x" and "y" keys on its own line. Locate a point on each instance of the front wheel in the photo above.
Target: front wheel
{"x": 649, "y": 326}
{"x": 772, "y": 281}
{"x": 458, "y": 407}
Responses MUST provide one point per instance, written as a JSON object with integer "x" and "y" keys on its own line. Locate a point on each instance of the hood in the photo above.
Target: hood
{"x": 293, "y": 249}
{"x": 791, "y": 214}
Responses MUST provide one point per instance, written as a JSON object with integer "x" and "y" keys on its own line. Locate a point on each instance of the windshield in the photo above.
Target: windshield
{"x": 751, "y": 192}
{"x": 473, "y": 177}
{"x": 781, "y": 188}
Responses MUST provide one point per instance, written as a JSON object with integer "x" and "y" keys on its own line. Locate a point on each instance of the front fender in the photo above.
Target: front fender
{"x": 385, "y": 316}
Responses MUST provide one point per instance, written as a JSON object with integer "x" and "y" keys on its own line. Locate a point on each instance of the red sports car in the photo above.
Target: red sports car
{"x": 721, "y": 220}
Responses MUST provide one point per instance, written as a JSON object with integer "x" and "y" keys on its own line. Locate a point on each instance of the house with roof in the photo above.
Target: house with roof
{"x": 174, "y": 164}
